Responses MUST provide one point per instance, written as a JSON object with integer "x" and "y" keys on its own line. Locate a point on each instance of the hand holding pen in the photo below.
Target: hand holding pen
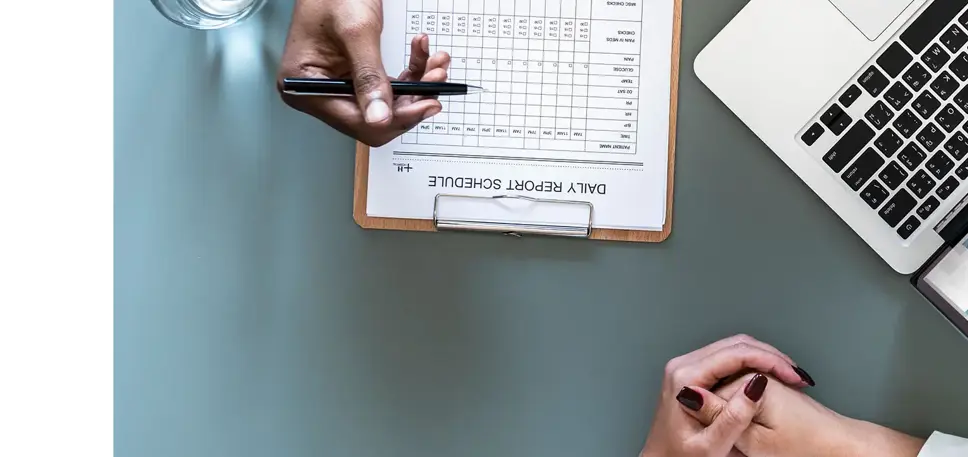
{"x": 340, "y": 39}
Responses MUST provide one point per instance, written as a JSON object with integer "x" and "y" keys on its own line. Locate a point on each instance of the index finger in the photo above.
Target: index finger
{"x": 731, "y": 341}
{"x": 726, "y": 362}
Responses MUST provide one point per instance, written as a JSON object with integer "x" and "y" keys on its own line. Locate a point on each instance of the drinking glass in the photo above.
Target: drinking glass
{"x": 207, "y": 14}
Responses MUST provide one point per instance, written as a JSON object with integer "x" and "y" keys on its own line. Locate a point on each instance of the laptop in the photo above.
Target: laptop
{"x": 867, "y": 102}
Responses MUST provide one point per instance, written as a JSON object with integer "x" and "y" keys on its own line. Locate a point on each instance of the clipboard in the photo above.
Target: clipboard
{"x": 447, "y": 216}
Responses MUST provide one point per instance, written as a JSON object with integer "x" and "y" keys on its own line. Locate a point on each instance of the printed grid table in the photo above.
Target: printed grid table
{"x": 562, "y": 74}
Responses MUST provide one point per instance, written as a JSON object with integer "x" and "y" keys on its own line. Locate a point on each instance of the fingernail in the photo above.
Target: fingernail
{"x": 804, "y": 376}
{"x": 378, "y": 110}
{"x": 755, "y": 388}
{"x": 425, "y": 44}
{"x": 690, "y": 399}
{"x": 431, "y": 112}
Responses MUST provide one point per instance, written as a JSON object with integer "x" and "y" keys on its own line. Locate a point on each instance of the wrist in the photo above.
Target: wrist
{"x": 867, "y": 439}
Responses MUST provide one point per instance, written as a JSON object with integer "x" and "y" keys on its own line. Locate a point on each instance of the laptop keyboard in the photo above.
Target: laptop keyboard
{"x": 896, "y": 135}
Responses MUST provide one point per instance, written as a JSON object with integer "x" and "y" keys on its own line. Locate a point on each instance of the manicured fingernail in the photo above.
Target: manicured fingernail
{"x": 804, "y": 376}
{"x": 378, "y": 110}
{"x": 690, "y": 399}
{"x": 425, "y": 44}
{"x": 755, "y": 388}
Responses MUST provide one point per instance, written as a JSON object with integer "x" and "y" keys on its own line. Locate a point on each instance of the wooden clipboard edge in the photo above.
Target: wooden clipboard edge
{"x": 362, "y": 175}
{"x": 361, "y": 172}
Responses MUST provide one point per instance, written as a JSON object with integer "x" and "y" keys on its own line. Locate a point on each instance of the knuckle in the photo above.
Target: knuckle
{"x": 744, "y": 338}
{"x": 368, "y": 78}
{"x": 710, "y": 413}
{"x": 357, "y": 27}
{"x": 680, "y": 377}
{"x": 732, "y": 414}
{"x": 743, "y": 346}
{"x": 671, "y": 366}
{"x": 728, "y": 416}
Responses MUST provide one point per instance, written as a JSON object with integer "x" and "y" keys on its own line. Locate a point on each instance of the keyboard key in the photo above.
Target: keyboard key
{"x": 930, "y": 137}
{"x": 873, "y": 81}
{"x": 962, "y": 99}
{"x": 898, "y": 96}
{"x": 888, "y": 143}
{"x": 962, "y": 171}
{"x": 912, "y": 156}
{"x": 921, "y": 184}
{"x": 960, "y": 66}
{"x": 850, "y": 96}
{"x": 898, "y": 207}
{"x": 936, "y": 58}
{"x": 832, "y": 113}
{"x": 893, "y": 175}
{"x": 928, "y": 207}
{"x": 949, "y": 118}
{"x": 875, "y": 194}
{"x": 940, "y": 164}
{"x": 954, "y": 38}
{"x": 907, "y": 123}
{"x": 879, "y": 115}
{"x": 926, "y": 104}
{"x": 957, "y": 146}
{"x": 862, "y": 169}
{"x": 895, "y": 59}
{"x": 963, "y": 20}
{"x": 840, "y": 124}
{"x": 930, "y": 23}
{"x": 917, "y": 76}
{"x": 909, "y": 226}
{"x": 944, "y": 85}
{"x": 948, "y": 187}
{"x": 849, "y": 146}
{"x": 812, "y": 134}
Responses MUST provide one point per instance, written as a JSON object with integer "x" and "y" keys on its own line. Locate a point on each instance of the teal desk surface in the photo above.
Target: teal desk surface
{"x": 254, "y": 318}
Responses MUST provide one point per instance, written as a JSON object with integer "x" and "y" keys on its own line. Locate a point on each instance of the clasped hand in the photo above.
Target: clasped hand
{"x": 740, "y": 396}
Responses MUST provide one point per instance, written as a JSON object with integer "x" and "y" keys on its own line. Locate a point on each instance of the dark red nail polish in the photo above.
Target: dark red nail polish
{"x": 804, "y": 376}
{"x": 690, "y": 399}
{"x": 755, "y": 388}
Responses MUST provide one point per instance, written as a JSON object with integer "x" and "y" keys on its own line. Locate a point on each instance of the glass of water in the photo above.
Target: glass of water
{"x": 207, "y": 14}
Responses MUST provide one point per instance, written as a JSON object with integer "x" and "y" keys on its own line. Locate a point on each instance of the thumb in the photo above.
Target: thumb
{"x": 731, "y": 419}
{"x": 370, "y": 79}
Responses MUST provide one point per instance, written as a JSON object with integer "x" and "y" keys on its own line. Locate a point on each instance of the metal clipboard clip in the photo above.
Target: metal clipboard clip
{"x": 513, "y": 215}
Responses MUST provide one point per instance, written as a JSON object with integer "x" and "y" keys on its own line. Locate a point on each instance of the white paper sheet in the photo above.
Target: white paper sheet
{"x": 950, "y": 277}
{"x": 578, "y": 108}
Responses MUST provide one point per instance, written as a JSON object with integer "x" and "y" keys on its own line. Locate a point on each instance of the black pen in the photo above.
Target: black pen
{"x": 344, "y": 87}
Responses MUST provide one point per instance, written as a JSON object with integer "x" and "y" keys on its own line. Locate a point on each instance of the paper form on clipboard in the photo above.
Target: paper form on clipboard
{"x": 578, "y": 109}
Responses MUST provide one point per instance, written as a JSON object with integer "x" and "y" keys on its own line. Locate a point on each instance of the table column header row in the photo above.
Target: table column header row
{"x": 593, "y": 9}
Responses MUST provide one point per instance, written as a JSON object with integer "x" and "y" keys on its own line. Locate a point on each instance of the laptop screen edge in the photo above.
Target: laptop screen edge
{"x": 949, "y": 310}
